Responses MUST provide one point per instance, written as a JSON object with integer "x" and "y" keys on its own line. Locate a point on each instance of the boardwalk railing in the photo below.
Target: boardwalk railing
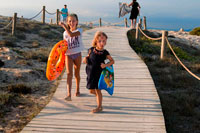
{"x": 100, "y": 23}
{"x": 164, "y": 41}
{"x": 56, "y": 14}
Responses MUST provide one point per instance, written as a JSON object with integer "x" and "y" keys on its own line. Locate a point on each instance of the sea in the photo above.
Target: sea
{"x": 158, "y": 23}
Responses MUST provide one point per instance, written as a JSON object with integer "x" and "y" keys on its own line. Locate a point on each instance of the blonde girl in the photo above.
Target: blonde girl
{"x": 95, "y": 64}
{"x": 73, "y": 36}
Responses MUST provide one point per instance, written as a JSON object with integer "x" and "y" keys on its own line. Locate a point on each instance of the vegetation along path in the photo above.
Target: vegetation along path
{"x": 134, "y": 107}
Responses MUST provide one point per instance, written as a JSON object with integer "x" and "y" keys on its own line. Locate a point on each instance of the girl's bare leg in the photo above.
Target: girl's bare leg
{"x": 69, "y": 69}
{"x": 99, "y": 99}
{"x": 92, "y": 91}
{"x": 135, "y": 20}
{"x": 131, "y": 23}
{"x": 77, "y": 66}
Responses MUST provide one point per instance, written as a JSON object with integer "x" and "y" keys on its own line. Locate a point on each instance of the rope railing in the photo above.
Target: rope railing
{"x": 90, "y": 22}
{"x": 108, "y": 23}
{"x": 35, "y": 16}
{"x": 155, "y": 39}
{"x": 50, "y": 13}
{"x": 117, "y": 23}
{"x": 5, "y": 27}
{"x": 163, "y": 38}
{"x": 57, "y": 18}
{"x": 181, "y": 61}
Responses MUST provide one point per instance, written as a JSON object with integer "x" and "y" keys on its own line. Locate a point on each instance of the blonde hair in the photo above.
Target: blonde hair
{"x": 72, "y": 15}
{"x": 98, "y": 34}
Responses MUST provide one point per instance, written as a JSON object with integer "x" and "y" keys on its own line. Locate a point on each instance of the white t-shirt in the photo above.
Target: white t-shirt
{"x": 75, "y": 44}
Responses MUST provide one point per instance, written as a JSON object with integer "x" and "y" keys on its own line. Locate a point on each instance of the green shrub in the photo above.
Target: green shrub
{"x": 182, "y": 54}
{"x": 4, "y": 97}
{"x": 20, "y": 35}
{"x": 7, "y": 43}
{"x": 195, "y": 31}
{"x": 40, "y": 54}
{"x": 19, "y": 88}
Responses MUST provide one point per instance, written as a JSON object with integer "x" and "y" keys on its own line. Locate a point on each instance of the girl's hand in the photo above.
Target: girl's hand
{"x": 85, "y": 60}
{"x": 61, "y": 23}
{"x": 103, "y": 65}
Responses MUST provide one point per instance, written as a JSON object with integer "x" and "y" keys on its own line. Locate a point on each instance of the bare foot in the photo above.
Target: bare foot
{"x": 77, "y": 94}
{"x": 68, "y": 98}
{"x": 97, "y": 110}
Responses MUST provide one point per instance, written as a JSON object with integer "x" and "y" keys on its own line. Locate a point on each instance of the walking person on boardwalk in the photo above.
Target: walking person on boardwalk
{"x": 95, "y": 64}
{"x": 64, "y": 12}
{"x": 73, "y": 36}
{"x": 135, "y": 11}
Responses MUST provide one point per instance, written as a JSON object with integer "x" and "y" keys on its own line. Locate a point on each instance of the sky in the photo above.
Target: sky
{"x": 159, "y": 13}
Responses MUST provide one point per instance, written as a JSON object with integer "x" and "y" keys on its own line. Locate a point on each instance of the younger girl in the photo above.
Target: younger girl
{"x": 73, "y": 36}
{"x": 95, "y": 64}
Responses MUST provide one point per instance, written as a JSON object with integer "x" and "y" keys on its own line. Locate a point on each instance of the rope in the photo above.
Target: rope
{"x": 6, "y": 25}
{"x": 87, "y": 23}
{"x": 35, "y": 16}
{"x": 155, "y": 39}
{"x": 105, "y": 22}
{"x": 118, "y": 23}
{"x": 50, "y": 13}
{"x": 180, "y": 60}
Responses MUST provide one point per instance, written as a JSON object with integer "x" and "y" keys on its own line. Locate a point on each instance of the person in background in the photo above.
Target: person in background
{"x": 135, "y": 11}
{"x": 64, "y": 12}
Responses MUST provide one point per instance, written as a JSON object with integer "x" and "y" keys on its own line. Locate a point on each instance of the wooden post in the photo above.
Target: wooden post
{"x": 43, "y": 15}
{"x": 125, "y": 21}
{"x": 140, "y": 23}
{"x": 144, "y": 23}
{"x": 51, "y": 21}
{"x": 14, "y": 23}
{"x": 57, "y": 16}
{"x": 162, "y": 52}
{"x": 137, "y": 36}
{"x": 100, "y": 22}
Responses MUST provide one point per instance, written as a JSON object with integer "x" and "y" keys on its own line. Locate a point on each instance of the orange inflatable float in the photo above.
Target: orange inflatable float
{"x": 56, "y": 60}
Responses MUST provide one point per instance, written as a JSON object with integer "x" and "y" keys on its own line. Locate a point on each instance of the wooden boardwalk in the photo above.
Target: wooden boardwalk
{"x": 134, "y": 107}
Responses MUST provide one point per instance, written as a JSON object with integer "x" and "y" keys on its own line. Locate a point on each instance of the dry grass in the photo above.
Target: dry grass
{"x": 178, "y": 90}
{"x": 24, "y": 88}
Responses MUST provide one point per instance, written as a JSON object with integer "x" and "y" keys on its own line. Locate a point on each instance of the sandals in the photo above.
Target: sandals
{"x": 97, "y": 110}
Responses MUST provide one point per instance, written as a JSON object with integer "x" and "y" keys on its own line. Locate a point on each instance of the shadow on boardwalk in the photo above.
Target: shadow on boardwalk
{"x": 134, "y": 107}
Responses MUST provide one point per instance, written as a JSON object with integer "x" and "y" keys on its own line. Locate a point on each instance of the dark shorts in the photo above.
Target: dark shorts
{"x": 74, "y": 56}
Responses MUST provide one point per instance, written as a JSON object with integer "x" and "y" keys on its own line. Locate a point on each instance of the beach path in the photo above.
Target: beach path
{"x": 134, "y": 106}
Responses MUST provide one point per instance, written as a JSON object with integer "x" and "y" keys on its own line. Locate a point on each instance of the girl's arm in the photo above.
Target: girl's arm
{"x": 139, "y": 9}
{"x": 71, "y": 34}
{"x": 85, "y": 59}
{"x": 110, "y": 63}
{"x": 130, "y": 4}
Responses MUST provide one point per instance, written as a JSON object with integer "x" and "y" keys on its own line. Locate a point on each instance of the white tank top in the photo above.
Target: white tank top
{"x": 75, "y": 44}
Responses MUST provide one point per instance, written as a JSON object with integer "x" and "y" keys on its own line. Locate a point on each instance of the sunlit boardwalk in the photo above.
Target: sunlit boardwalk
{"x": 134, "y": 107}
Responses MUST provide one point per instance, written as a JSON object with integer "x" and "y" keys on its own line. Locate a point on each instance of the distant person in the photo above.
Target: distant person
{"x": 73, "y": 36}
{"x": 134, "y": 12}
{"x": 1, "y": 63}
{"x": 95, "y": 64}
{"x": 64, "y": 12}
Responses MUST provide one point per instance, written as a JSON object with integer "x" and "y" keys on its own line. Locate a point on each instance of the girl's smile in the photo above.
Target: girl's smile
{"x": 72, "y": 22}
